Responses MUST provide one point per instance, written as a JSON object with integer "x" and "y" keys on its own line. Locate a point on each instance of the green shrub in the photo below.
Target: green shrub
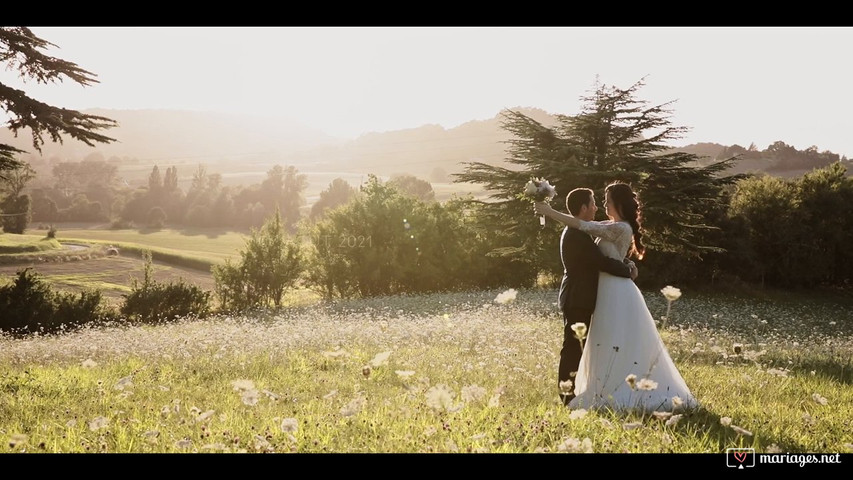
{"x": 154, "y": 301}
{"x": 29, "y": 306}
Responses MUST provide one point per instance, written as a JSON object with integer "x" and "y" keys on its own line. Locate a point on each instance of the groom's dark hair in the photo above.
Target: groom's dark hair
{"x": 578, "y": 198}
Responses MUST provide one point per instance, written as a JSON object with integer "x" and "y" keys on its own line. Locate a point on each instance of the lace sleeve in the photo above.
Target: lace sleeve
{"x": 616, "y": 232}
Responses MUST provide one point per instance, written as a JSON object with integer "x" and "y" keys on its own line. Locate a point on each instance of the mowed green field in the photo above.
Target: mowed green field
{"x": 213, "y": 244}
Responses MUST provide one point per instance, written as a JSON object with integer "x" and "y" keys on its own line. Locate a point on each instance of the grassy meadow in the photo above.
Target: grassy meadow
{"x": 438, "y": 373}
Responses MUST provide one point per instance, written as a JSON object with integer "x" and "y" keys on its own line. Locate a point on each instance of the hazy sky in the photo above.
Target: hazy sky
{"x": 731, "y": 84}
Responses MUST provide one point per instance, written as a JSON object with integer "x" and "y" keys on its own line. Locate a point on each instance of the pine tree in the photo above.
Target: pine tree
{"x": 616, "y": 136}
{"x": 21, "y": 50}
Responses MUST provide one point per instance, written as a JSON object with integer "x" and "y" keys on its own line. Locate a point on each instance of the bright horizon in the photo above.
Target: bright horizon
{"x": 730, "y": 85}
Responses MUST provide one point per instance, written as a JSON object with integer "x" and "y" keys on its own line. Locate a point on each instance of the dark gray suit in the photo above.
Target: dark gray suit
{"x": 582, "y": 260}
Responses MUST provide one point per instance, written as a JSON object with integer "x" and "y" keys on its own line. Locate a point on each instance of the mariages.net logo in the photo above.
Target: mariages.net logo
{"x": 740, "y": 457}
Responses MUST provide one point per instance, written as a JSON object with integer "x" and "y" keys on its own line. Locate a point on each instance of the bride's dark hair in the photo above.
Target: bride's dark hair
{"x": 627, "y": 203}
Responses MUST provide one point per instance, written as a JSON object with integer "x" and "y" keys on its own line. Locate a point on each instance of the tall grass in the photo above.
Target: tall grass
{"x": 438, "y": 373}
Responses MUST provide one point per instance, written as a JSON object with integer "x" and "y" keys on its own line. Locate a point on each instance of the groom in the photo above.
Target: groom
{"x": 582, "y": 260}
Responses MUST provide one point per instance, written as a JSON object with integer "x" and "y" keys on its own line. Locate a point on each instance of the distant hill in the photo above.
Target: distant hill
{"x": 177, "y": 135}
{"x": 232, "y": 143}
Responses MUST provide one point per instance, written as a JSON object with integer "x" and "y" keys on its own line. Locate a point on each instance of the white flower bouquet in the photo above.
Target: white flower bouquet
{"x": 539, "y": 190}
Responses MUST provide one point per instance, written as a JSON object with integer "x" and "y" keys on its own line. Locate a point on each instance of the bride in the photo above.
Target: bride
{"x": 624, "y": 365}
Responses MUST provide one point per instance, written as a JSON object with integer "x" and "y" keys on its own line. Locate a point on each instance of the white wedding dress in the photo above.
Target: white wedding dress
{"x": 623, "y": 340}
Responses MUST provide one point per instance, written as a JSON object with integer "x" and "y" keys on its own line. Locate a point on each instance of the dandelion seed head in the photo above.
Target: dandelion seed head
{"x": 647, "y": 384}
{"x": 631, "y": 380}
{"x": 473, "y": 393}
{"x": 439, "y": 397}
{"x": 726, "y": 421}
{"x": 98, "y": 423}
{"x": 566, "y": 386}
{"x": 289, "y": 425}
{"x": 249, "y": 397}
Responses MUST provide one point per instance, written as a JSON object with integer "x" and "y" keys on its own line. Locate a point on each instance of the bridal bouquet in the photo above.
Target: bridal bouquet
{"x": 539, "y": 190}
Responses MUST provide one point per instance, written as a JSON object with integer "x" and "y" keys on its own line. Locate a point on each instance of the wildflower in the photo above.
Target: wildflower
{"x": 249, "y": 397}
{"x": 580, "y": 330}
{"x": 89, "y": 363}
{"x": 151, "y": 436}
{"x": 809, "y": 419}
{"x": 353, "y": 407}
{"x": 18, "y": 439}
{"x": 573, "y": 445}
{"x": 566, "y": 387}
{"x": 506, "y": 296}
{"x": 241, "y": 385}
{"x": 773, "y": 448}
{"x": 577, "y": 414}
{"x": 819, "y": 398}
{"x": 270, "y": 395}
{"x": 632, "y": 381}
{"x": 439, "y": 397}
{"x": 124, "y": 383}
{"x": 673, "y": 420}
{"x": 204, "y": 416}
{"x": 183, "y": 444}
{"x": 98, "y": 423}
{"x": 741, "y": 431}
{"x": 289, "y": 425}
{"x": 662, "y": 415}
{"x": 671, "y": 293}
{"x": 380, "y": 359}
{"x": 647, "y": 384}
{"x": 726, "y": 421}
{"x": 677, "y": 402}
{"x": 606, "y": 423}
{"x": 832, "y": 322}
{"x": 473, "y": 393}
{"x": 336, "y": 354}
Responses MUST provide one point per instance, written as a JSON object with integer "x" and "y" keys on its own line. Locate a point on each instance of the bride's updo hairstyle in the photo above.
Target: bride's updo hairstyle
{"x": 628, "y": 205}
